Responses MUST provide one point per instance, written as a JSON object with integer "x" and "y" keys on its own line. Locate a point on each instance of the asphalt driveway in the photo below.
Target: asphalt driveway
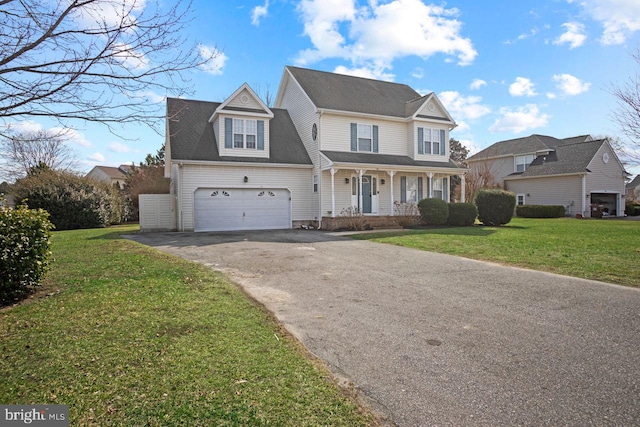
{"x": 433, "y": 339}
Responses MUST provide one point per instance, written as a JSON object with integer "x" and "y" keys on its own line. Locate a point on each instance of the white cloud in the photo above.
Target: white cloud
{"x": 150, "y": 95}
{"x": 118, "y": 147}
{"x": 620, "y": 18}
{"x": 26, "y": 126}
{"x": 69, "y": 135}
{"x": 522, "y": 87}
{"x": 418, "y": 73}
{"x": 574, "y": 35}
{"x": 376, "y": 73}
{"x": 97, "y": 157}
{"x": 551, "y": 95}
{"x": 259, "y": 12}
{"x": 129, "y": 57}
{"x": 463, "y": 107}
{"x": 520, "y": 120}
{"x": 73, "y": 136}
{"x": 570, "y": 85}
{"x": 109, "y": 12}
{"x": 374, "y": 35}
{"x": 477, "y": 84}
{"x": 217, "y": 62}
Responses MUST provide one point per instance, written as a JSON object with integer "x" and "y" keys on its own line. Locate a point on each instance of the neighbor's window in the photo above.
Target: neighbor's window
{"x": 522, "y": 162}
{"x": 365, "y": 138}
{"x": 520, "y": 199}
{"x": 244, "y": 133}
{"x": 315, "y": 183}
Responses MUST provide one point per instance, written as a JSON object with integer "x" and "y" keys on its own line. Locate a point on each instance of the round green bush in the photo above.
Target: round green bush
{"x": 462, "y": 214}
{"x": 25, "y": 238}
{"x": 495, "y": 206}
{"x": 434, "y": 211}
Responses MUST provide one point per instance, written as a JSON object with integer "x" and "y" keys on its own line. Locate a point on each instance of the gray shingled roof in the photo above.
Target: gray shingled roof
{"x": 112, "y": 172}
{"x": 383, "y": 159}
{"x": 634, "y": 183}
{"x": 566, "y": 159}
{"x": 527, "y": 144}
{"x": 356, "y": 94}
{"x": 191, "y": 135}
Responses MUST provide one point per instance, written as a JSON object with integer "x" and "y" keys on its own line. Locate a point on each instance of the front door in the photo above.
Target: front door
{"x": 366, "y": 194}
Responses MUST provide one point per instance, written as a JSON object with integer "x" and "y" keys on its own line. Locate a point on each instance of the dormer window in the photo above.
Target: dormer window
{"x": 523, "y": 162}
{"x": 244, "y": 133}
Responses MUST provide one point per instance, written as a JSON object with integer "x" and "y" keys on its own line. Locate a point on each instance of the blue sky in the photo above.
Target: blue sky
{"x": 503, "y": 68}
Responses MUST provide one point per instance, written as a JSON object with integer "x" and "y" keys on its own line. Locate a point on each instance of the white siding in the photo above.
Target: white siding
{"x": 298, "y": 180}
{"x": 432, "y": 109}
{"x": 244, "y": 94}
{"x": 605, "y": 177}
{"x": 560, "y": 190}
{"x": 303, "y": 115}
{"x": 336, "y": 134}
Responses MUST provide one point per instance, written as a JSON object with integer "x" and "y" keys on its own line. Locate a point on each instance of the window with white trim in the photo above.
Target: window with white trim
{"x": 245, "y": 133}
{"x": 365, "y": 138}
{"x": 437, "y": 188}
{"x": 523, "y": 162}
{"x": 315, "y": 183}
{"x": 520, "y": 199}
{"x": 432, "y": 141}
{"x": 412, "y": 189}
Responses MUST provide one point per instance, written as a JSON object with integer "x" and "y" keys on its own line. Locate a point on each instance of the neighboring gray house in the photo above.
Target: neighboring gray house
{"x": 109, "y": 174}
{"x": 633, "y": 189}
{"x": 575, "y": 172}
{"x": 332, "y": 143}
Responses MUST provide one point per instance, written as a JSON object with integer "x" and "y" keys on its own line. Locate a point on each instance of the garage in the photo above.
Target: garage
{"x": 604, "y": 204}
{"x": 226, "y": 209}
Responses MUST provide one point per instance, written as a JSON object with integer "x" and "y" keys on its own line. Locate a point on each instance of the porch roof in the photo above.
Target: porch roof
{"x": 389, "y": 161}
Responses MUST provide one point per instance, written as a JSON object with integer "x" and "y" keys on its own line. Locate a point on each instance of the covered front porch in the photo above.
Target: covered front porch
{"x": 384, "y": 190}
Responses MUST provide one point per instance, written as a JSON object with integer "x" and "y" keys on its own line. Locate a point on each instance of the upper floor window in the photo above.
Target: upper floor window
{"x": 523, "y": 162}
{"x": 364, "y": 138}
{"x": 431, "y": 141}
{"x": 244, "y": 133}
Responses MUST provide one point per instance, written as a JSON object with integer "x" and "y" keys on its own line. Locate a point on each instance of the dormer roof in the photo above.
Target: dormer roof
{"x": 244, "y": 101}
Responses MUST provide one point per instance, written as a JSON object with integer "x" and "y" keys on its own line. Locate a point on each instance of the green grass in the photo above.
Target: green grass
{"x": 606, "y": 250}
{"x": 126, "y": 335}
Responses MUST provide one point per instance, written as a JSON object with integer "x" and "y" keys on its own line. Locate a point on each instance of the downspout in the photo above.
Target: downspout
{"x": 318, "y": 139}
{"x": 584, "y": 195}
{"x": 180, "y": 216}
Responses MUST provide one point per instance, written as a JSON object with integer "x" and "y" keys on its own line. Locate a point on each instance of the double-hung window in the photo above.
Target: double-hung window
{"x": 244, "y": 133}
{"x": 523, "y": 162}
{"x": 437, "y": 188}
{"x": 431, "y": 141}
{"x": 364, "y": 138}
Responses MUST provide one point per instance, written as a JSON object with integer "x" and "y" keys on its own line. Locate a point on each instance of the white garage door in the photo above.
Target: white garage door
{"x": 220, "y": 209}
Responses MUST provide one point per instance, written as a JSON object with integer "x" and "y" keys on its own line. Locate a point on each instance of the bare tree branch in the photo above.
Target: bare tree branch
{"x": 92, "y": 59}
{"x": 627, "y": 116}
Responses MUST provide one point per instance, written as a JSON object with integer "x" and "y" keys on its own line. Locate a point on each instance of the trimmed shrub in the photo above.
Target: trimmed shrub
{"x": 462, "y": 214}
{"x": 495, "y": 207}
{"x": 540, "y": 211}
{"x": 25, "y": 238}
{"x": 434, "y": 211}
{"x": 632, "y": 208}
{"x": 72, "y": 201}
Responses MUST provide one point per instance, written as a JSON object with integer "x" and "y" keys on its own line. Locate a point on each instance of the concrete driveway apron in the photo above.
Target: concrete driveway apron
{"x": 431, "y": 339}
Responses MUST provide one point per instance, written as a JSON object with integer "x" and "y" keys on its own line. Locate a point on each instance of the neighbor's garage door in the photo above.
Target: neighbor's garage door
{"x": 220, "y": 209}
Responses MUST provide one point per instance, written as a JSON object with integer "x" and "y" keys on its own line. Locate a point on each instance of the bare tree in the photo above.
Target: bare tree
{"x": 481, "y": 175}
{"x": 96, "y": 60}
{"x": 21, "y": 152}
{"x": 627, "y": 116}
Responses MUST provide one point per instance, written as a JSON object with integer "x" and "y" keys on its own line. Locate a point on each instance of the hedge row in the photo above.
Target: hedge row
{"x": 632, "y": 209}
{"x": 25, "y": 239}
{"x": 495, "y": 207}
{"x": 540, "y": 211}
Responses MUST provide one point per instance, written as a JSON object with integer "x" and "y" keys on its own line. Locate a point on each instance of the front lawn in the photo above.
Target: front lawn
{"x": 606, "y": 250}
{"x": 126, "y": 335}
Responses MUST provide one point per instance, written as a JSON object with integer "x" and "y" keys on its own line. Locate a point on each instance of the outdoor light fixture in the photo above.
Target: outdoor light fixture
{"x": 246, "y": 179}
{"x": 346, "y": 180}
{"x": 382, "y": 182}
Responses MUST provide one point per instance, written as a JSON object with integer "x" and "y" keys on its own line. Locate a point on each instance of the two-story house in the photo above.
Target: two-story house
{"x": 579, "y": 173}
{"x": 331, "y": 144}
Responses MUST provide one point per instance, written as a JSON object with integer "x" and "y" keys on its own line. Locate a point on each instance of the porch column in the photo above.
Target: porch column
{"x": 462, "y": 187}
{"x": 360, "y": 173}
{"x": 333, "y": 193}
{"x": 391, "y": 174}
{"x": 430, "y": 175}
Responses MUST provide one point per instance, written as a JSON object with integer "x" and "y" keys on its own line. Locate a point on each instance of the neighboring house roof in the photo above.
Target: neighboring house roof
{"x": 191, "y": 136}
{"x": 383, "y": 159}
{"x": 527, "y": 144}
{"x": 356, "y": 94}
{"x": 566, "y": 159}
{"x": 112, "y": 172}
{"x": 633, "y": 183}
